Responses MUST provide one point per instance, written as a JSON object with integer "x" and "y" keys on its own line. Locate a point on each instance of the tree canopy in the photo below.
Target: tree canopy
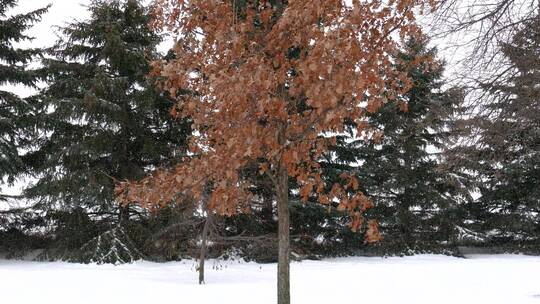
{"x": 267, "y": 78}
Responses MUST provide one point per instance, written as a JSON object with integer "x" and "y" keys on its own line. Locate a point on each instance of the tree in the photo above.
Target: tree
{"x": 478, "y": 27}
{"x": 400, "y": 165}
{"x": 505, "y": 155}
{"x": 102, "y": 119}
{"x": 15, "y": 117}
{"x": 269, "y": 77}
{"x": 15, "y": 112}
{"x": 401, "y": 168}
{"x": 487, "y": 21}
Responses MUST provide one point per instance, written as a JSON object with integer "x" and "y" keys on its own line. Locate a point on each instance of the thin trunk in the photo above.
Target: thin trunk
{"x": 204, "y": 240}
{"x": 123, "y": 215}
{"x": 124, "y": 170}
{"x": 267, "y": 211}
{"x": 205, "y": 233}
{"x": 282, "y": 194}
{"x": 284, "y": 293}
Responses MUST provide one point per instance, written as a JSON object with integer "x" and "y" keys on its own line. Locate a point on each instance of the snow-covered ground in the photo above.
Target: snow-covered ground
{"x": 429, "y": 279}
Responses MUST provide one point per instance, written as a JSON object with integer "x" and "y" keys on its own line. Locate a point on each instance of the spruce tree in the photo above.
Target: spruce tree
{"x": 506, "y": 156}
{"x": 15, "y": 112}
{"x": 398, "y": 165}
{"x": 105, "y": 121}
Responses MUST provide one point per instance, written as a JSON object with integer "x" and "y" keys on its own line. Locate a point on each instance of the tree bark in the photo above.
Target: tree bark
{"x": 204, "y": 240}
{"x": 205, "y": 232}
{"x": 283, "y": 280}
{"x": 123, "y": 214}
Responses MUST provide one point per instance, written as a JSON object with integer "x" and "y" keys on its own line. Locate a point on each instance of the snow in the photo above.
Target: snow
{"x": 418, "y": 279}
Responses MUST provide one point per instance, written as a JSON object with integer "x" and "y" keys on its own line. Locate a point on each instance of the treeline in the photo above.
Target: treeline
{"x": 440, "y": 171}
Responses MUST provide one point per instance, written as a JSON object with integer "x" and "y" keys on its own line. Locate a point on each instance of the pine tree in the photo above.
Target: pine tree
{"x": 15, "y": 112}
{"x": 398, "y": 165}
{"x": 506, "y": 156}
{"x": 104, "y": 121}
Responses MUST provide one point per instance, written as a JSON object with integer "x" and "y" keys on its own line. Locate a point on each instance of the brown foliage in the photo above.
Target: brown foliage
{"x": 268, "y": 79}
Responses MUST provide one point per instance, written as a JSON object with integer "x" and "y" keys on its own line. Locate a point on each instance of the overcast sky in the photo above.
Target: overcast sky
{"x": 61, "y": 13}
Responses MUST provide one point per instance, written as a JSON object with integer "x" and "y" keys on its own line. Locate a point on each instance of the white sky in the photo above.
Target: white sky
{"x": 61, "y": 13}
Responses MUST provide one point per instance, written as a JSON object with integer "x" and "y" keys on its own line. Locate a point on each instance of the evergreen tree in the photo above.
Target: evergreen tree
{"x": 506, "y": 156}
{"x": 104, "y": 121}
{"x": 399, "y": 165}
{"x": 15, "y": 112}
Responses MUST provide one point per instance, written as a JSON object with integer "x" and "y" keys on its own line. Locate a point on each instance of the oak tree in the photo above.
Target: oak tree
{"x": 273, "y": 82}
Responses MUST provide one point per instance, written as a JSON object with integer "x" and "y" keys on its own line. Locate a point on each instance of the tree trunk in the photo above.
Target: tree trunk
{"x": 123, "y": 215}
{"x": 283, "y": 280}
{"x": 205, "y": 232}
{"x": 204, "y": 240}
